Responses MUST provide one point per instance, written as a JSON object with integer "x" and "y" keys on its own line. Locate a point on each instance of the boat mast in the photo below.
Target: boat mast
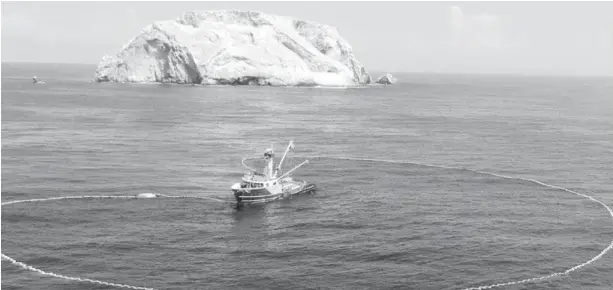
{"x": 291, "y": 145}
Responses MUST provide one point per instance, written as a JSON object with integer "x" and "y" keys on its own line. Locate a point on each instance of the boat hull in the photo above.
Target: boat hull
{"x": 265, "y": 195}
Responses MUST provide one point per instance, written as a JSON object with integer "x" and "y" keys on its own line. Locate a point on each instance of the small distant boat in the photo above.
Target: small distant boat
{"x": 271, "y": 184}
{"x": 36, "y": 81}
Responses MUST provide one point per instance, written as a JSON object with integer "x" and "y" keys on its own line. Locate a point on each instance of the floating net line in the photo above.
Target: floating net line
{"x": 482, "y": 287}
{"x": 509, "y": 283}
{"x": 79, "y": 279}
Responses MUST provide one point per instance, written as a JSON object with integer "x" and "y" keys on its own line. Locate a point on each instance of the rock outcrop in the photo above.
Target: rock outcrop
{"x": 386, "y": 79}
{"x": 236, "y": 48}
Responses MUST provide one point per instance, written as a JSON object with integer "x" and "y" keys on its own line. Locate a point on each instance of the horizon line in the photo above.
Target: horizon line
{"x": 523, "y": 74}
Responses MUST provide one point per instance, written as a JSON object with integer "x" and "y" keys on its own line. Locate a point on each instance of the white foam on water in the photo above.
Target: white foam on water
{"x": 152, "y": 195}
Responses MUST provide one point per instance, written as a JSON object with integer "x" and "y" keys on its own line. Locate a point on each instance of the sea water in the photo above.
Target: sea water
{"x": 373, "y": 224}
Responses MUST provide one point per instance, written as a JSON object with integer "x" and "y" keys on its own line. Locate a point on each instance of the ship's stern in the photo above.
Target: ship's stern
{"x": 236, "y": 188}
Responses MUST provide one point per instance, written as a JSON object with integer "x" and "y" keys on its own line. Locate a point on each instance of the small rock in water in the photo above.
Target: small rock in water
{"x": 386, "y": 79}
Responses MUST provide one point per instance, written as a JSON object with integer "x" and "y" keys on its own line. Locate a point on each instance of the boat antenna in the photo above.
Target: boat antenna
{"x": 293, "y": 169}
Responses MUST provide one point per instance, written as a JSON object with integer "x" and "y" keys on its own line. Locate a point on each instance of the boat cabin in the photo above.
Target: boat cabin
{"x": 257, "y": 180}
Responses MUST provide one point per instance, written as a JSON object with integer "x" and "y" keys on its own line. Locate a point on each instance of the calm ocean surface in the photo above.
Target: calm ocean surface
{"x": 372, "y": 224}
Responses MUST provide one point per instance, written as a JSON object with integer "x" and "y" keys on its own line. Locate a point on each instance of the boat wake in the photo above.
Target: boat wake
{"x": 155, "y": 195}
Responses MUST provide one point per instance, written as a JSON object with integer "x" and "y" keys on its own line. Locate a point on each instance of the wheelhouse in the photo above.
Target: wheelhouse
{"x": 255, "y": 181}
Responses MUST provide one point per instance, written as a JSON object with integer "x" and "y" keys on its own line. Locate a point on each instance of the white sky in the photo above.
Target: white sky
{"x": 568, "y": 38}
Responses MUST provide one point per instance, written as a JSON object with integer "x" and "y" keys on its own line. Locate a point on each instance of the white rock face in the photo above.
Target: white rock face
{"x": 235, "y": 47}
{"x": 386, "y": 79}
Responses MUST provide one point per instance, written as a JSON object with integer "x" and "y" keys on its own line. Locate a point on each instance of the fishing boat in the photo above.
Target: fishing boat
{"x": 271, "y": 183}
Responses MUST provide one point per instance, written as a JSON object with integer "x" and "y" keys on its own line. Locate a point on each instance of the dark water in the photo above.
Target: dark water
{"x": 372, "y": 224}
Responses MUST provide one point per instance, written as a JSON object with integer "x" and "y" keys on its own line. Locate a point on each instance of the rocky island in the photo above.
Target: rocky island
{"x": 236, "y": 48}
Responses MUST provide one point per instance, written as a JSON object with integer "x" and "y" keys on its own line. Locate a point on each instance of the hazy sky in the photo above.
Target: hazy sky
{"x": 571, "y": 38}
